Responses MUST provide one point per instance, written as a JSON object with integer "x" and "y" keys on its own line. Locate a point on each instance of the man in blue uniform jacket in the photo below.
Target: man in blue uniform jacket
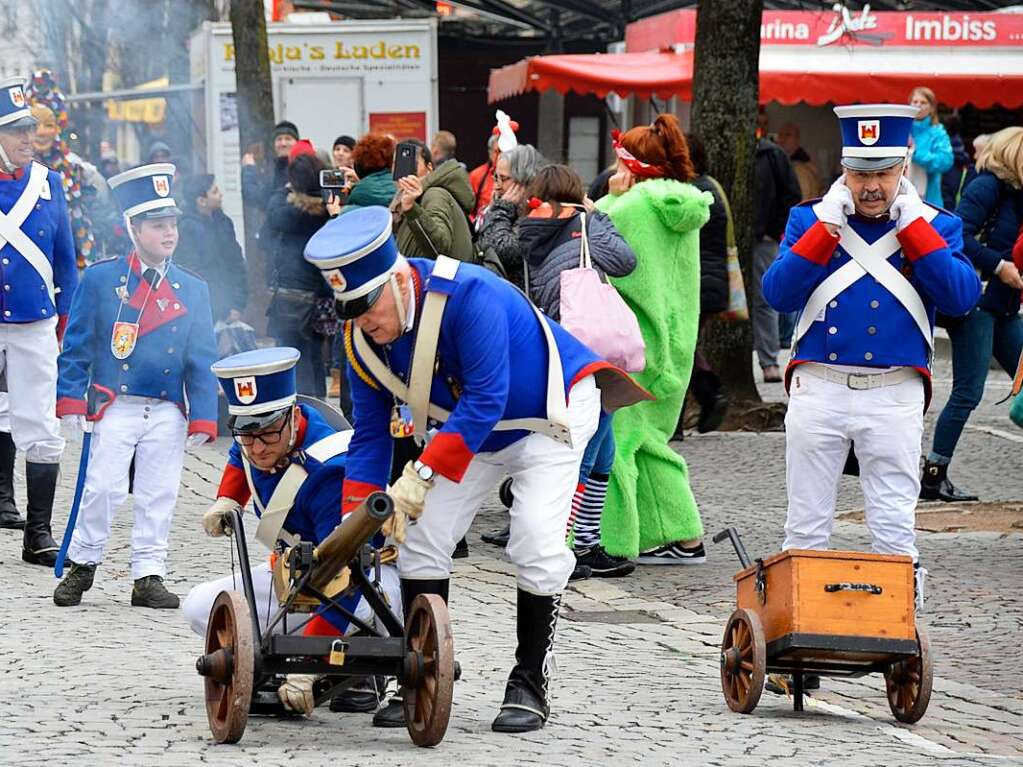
{"x": 37, "y": 280}
{"x": 290, "y": 463}
{"x": 866, "y": 267}
{"x": 139, "y": 340}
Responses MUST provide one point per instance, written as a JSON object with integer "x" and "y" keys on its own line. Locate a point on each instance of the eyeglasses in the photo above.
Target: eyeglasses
{"x": 266, "y": 437}
{"x": 503, "y": 179}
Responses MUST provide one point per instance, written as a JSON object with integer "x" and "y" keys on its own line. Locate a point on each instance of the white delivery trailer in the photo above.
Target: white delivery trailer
{"x": 345, "y": 77}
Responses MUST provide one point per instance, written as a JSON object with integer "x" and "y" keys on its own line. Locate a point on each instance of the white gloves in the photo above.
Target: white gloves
{"x": 196, "y": 440}
{"x": 297, "y": 693}
{"x": 837, "y": 205}
{"x": 409, "y": 496}
{"x": 907, "y": 207}
{"x": 214, "y": 520}
{"x": 75, "y": 425}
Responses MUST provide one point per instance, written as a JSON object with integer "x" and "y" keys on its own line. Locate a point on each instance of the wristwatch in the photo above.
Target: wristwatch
{"x": 426, "y": 473}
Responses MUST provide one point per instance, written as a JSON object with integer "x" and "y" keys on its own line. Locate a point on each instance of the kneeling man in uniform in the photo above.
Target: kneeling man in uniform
{"x": 290, "y": 463}
{"x": 866, "y": 267}
{"x": 448, "y": 346}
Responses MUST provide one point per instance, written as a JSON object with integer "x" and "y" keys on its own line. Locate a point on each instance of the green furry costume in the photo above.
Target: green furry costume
{"x": 649, "y": 501}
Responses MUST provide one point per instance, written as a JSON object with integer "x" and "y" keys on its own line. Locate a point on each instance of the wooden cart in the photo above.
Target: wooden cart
{"x": 829, "y": 613}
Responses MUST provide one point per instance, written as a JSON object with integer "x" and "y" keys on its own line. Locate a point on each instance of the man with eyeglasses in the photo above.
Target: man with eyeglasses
{"x": 140, "y": 340}
{"x": 290, "y": 463}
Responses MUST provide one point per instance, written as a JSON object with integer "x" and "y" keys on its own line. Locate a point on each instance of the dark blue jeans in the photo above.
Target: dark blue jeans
{"x": 981, "y": 336}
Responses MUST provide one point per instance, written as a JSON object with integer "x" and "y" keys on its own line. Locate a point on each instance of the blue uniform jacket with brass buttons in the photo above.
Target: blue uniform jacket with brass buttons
{"x": 865, "y": 324}
{"x": 172, "y": 355}
{"x": 23, "y": 295}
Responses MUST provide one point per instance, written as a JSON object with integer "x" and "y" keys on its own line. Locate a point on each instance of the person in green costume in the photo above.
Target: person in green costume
{"x": 650, "y": 509}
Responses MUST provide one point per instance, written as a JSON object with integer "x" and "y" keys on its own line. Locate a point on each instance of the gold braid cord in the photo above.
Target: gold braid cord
{"x": 360, "y": 371}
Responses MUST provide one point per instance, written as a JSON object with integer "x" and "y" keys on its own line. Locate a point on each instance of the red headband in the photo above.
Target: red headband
{"x": 634, "y": 164}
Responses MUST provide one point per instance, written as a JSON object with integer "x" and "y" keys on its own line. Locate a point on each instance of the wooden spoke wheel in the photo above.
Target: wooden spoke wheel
{"x": 743, "y": 661}
{"x": 909, "y": 682}
{"x": 228, "y": 667}
{"x": 428, "y": 643}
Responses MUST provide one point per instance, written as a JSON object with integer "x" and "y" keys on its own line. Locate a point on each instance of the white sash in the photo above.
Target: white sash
{"x": 271, "y": 518}
{"x": 555, "y": 425}
{"x": 869, "y": 259}
{"x": 11, "y": 231}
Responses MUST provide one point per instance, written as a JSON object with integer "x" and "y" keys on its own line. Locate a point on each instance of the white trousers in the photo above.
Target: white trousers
{"x": 152, "y": 430}
{"x": 544, "y": 476}
{"x": 199, "y": 602}
{"x": 28, "y": 360}
{"x": 886, "y": 426}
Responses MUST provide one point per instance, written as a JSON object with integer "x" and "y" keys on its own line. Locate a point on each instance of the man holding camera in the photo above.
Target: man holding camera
{"x": 866, "y": 266}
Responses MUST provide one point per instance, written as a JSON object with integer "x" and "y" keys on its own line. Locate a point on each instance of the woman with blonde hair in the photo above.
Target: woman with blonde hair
{"x": 932, "y": 148}
{"x": 992, "y": 212}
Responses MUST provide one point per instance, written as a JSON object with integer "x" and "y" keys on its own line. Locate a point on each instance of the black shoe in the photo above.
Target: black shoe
{"x": 461, "y": 549}
{"x": 78, "y": 580}
{"x": 602, "y": 564}
{"x": 673, "y": 554}
{"x": 10, "y": 519}
{"x": 361, "y": 698}
{"x": 782, "y": 684}
{"x": 935, "y": 485}
{"x": 150, "y": 592}
{"x": 525, "y": 707}
{"x": 391, "y": 715}
{"x": 580, "y": 573}
{"x": 497, "y": 538}
{"x": 712, "y": 415}
{"x": 707, "y": 391}
{"x": 505, "y": 493}
{"x": 38, "y": 547}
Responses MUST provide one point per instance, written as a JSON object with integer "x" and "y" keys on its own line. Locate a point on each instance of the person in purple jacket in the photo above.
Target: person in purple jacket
{"x": 866, "y": 267}
{"x": 451, "y": 350}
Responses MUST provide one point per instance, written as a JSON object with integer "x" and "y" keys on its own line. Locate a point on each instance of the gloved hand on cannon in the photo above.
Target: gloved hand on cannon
{"x": 409, "y": 496}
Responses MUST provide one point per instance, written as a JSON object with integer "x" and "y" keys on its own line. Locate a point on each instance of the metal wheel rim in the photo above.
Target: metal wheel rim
{"x": 428, "y": 705}
{"x": 227, "y": 705}
{"x": 742, "y": 688}
{"x": 908, "y": 682}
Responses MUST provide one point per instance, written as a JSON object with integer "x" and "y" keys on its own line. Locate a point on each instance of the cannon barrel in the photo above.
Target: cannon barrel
{"x": 343, "y": 544}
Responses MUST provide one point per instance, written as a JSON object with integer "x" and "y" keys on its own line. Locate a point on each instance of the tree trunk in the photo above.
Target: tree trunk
{"x": 725, "y": 90}
{"x": 254, "y": 95}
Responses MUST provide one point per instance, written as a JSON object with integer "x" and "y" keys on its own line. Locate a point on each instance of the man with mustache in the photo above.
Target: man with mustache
{"x": 866, "y": 266}
{"x": 37, "y": 280}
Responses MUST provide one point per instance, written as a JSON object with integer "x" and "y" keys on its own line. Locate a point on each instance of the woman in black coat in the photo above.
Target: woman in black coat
{"x": 294, "y": 214}
{"x": 705, "y": 385}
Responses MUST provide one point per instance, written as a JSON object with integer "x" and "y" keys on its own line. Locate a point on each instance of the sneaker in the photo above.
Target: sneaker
{"x": 781, "y": 684}
{"x": 602, "y": 564}
{"x": 497, "y": 538}
{"x": 673, "y": 554}
{"x": 150, "y": 592}
{"x": 580, "y": 573}
{"x": 79, "y": 580}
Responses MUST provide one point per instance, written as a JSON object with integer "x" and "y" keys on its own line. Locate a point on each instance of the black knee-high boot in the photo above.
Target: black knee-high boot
{"x": 526, "y": 702}
{"x": 39, "y": 547}
{"x": 10, "y": 519}
{"x": 393, "y": 714}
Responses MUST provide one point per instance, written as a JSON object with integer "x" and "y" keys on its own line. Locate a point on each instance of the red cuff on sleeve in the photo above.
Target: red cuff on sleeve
{"x": 447, "y": 454}
{"x": 61, "y": 327}
{"x": 920, "y": 239}
{"x": 233, "y": 485}
{"x": 816, "y": 245}
{"x": 1017, "y": 252}
{"x": 70, "y": 406}
{"x": 203, "y": 427}
{"x": 353, "y": 493}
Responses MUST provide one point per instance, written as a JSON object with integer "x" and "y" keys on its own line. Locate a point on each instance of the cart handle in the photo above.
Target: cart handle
{"x": 733, "y": 535}
{"x": 869, "y": 588}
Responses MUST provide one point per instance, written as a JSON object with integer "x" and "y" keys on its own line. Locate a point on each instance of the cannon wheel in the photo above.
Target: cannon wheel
{"x": 229, "y": 694}
{"x": 427, "y": 699}
{"x": 909, "y": 682}
{"x": 743, "y": 661}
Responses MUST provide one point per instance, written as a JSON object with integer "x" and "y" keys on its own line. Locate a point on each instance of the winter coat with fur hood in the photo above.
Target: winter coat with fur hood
{"x": 291, "y": 219}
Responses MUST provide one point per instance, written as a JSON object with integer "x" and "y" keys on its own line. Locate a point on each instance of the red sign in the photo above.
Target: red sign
{"x": 844, "y": 27}
{"x": 401, "y": 125}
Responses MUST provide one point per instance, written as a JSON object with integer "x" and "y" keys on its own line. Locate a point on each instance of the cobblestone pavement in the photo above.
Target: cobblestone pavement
{"x": 107, "y": 684}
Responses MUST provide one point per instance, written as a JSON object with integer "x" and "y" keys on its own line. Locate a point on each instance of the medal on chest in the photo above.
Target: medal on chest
{"x": 123, "y": 339}
{"x": 401, "y": 421}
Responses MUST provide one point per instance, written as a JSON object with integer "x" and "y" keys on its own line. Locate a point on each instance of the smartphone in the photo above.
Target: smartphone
{"x": 333, "y": 179}
{"x": 406, "y": 160}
